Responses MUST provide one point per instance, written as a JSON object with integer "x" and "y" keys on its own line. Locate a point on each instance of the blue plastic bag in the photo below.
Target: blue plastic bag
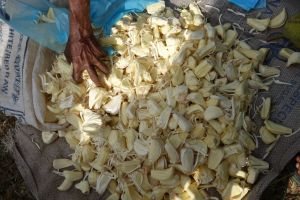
{"x": 23, "y": 14}
{"x": 249, "y": 4}
{"x": 261, "y": 4}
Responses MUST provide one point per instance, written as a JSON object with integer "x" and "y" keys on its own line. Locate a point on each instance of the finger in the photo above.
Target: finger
{"x": 95, "y": 48}
{"x": 100, "y": 65}
{"x": 93, "y": 75}
{"x": 67, "y": 53}
{"x": 95, "y": 62}
{"x": 102, "y": 79}
{"x": 298, "y": 159}
{"x": 95, "y": 44}
{"x": 77, "y": 72}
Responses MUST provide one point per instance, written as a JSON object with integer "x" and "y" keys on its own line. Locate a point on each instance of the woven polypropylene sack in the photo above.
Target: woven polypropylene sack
{"x": 36, "y": 164}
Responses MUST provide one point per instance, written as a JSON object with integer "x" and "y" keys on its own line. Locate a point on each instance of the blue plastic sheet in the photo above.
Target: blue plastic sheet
{"x": 249, "y": 4}
{"x": 261, "y": 4}
{"x": 23, "y": 14}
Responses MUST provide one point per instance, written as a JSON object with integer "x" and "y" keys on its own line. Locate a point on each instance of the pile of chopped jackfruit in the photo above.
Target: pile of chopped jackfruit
{"x": 174, "y": 119}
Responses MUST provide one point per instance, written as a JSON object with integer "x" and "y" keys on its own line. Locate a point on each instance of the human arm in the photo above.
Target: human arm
{"x": 82, "y": 48}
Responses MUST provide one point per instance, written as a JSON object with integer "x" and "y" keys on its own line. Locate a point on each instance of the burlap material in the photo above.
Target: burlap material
{"x": 35, "y": 163}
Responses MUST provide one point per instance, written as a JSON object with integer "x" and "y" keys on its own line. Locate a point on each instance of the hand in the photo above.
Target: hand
{"x": 82, "y": 48}
{"x": 84, "y": 53}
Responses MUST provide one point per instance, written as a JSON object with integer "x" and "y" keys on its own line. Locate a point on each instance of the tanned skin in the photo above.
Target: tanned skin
{"x": 298, "y": 164}
{"x": 82, "y": 49}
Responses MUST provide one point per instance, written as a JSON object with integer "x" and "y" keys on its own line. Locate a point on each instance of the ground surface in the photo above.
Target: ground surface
{"x": 11, "y": 183}
{"x": 12, "y": 186}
